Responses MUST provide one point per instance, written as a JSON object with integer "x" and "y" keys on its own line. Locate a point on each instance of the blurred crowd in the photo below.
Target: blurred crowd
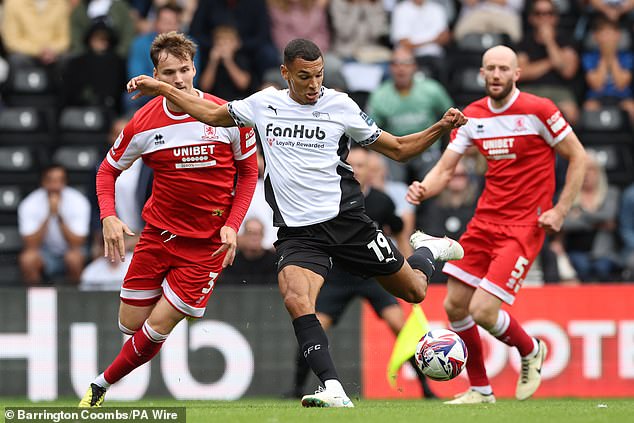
{"x": 64, "y": 64}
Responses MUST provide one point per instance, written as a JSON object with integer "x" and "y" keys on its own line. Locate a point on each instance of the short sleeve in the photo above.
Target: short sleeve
{"x": 243, "y": 111}
{"x": 460, "y": 138}
{"x": 243, "y": 143}
{"x": 555, "y": 127}
{"x": 124, "y": 151}
{"x": 358, "y": 125}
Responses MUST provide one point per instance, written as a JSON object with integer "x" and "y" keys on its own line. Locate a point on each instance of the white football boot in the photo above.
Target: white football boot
{"x": 531, "y": 373}
{"x": 472, "y": 397}
{"x": 443, "y": 249}
{"x": 323, "y": 398}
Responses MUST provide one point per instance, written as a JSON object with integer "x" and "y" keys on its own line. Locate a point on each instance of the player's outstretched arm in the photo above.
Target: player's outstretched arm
{"x": 569, "y": 148}
{"x": 205, "y": 111}
{"x": 436, "y": 179}
{"x": 405, "y": 147}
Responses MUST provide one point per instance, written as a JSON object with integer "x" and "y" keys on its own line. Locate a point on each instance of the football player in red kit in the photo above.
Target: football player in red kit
{"x": 518, "y": 134}
{"x": 192, "y": 217}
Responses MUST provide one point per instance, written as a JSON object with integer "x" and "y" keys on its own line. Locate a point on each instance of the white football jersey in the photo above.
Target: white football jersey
{"x": 307, "y": 180}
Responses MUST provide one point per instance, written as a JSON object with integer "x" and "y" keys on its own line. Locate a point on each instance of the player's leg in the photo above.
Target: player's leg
{"x": 410, "y": 281}
{"x": 459, "y": 296}
{"x": 140, "y": 348}
{"x": 299, "y": 288}
{"x": 515, "y": 254}
{"x": 31, "y": 265}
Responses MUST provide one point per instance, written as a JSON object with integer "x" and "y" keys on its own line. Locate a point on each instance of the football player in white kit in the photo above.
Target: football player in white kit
{"x": 317, "y": 204}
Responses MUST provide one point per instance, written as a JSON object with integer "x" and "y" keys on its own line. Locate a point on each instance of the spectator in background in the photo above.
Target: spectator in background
{"x": 358, "y": 30}
{"x": 35, "y": 31}
{"x": 116, "y": 13}
{"x": 168, "y": 18}
{"x": 54, "y": 222}
{"x": 549, "y": 60}
{"x": 96, "y": 77}
{"x": 228, "y": 73}
{"x": 144, "y": 12}
{"x": 423, "y": 27}
{"x": 626, "y": 231}
{"x": 252, "y": 20}
{"x": 103, "y": 274}
{"x": 608, "y": 70}
{"x": 291, "y": 19}
{"x": 613, "y": 10}
{"x": 589, "y": 230}
{"x": 490, "y": 16}
{"x": 253, "y": 263}
{"x": 407, "y": 103}
{"x": 451, "y": 210}
{"x": 378, "y": 174}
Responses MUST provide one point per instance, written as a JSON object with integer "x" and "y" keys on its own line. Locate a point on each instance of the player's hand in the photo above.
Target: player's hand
{"x": 415, "y": 193}
{"x": 145, "y": 85}
{"x": 551, "y": 220}
{"x": 229, "y": 240}
{"x": 453, "y": 118}
{"x": 113, "y": 243}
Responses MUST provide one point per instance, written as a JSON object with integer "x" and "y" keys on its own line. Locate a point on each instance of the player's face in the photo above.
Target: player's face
{"x": 176, "y": 72}
{"x": 304, "y": 79}
{"x": 500, "y": 72}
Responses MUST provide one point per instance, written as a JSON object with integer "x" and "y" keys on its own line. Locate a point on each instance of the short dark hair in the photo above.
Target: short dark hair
{"x": 172, "y": 7}
{"x": 601, "y": 21}
{"x": 174, "y": 43}
{"x": 301, "y": 48}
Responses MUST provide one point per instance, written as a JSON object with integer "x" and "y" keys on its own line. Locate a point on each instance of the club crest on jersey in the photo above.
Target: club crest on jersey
{"x": 209, "y": 133}
{"x": 520, "y": 125}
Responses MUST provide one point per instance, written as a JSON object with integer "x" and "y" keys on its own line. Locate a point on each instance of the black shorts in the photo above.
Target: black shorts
{"x": 351, "y": 240}
{"x": 341, "y": 288}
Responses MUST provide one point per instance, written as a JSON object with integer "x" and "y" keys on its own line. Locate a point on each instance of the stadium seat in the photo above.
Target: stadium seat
{"x": 25, "y": 125}
{"x": 617, "y": 159}
{"x": 81, "y": 162}
{"x": 30, "y": 86}
{"x": 10, "y": 197}
{"x": 467, "y": 85}
{"x": 479, "y": 43}
{"x": 10, "y": 246}
{"x": 607, "y": 119}
{"x": 84, "y": 125}
{"x": 20, "y": 165}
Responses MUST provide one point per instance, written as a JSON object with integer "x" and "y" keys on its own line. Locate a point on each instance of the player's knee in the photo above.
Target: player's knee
{"x": 483, "y": 316}
{"x": 126, "y": 330}
{"x": 456, "y": 310}
{"x": 298, "y": 304}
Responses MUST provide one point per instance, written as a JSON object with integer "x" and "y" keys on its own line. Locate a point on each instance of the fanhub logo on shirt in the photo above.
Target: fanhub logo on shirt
{"x": 297, "y": 131}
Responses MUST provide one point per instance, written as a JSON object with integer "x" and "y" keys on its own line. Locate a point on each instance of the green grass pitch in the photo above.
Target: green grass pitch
{"x": 383, "y": 411}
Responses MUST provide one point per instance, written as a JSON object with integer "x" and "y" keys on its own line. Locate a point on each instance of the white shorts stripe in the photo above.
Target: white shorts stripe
{"x": 492, "y": 288}
{"x": 179, "y": 304}
{"x": 140, "y": 294}
{"x": 453, "y": 270}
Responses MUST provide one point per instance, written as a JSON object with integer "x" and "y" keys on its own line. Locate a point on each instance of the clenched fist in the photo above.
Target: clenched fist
{"x": 453, "y": 118}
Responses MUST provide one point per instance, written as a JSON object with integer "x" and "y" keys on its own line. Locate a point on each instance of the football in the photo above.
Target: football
{"x": 441, "y": 354}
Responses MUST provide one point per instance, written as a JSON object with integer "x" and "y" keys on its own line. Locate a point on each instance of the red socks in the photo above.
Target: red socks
{"x": 139, "y": 349}
{"x": 468, "y": 331}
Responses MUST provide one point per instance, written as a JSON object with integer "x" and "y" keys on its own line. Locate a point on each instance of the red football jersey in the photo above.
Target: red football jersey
{"x": 194, "y": 166}
{"x": 517, "y": 141}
